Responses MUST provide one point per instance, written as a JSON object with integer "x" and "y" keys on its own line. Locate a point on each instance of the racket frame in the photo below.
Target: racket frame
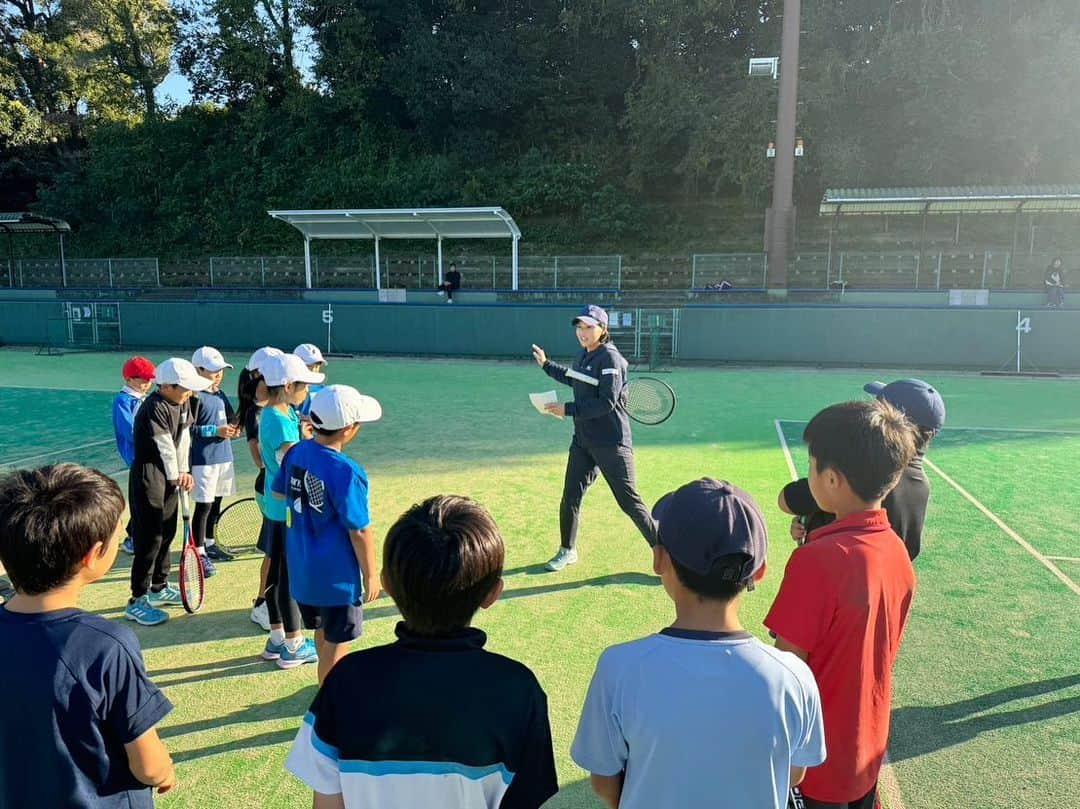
{"x": 661, "y": 383}
{"x": 189, "y": 555}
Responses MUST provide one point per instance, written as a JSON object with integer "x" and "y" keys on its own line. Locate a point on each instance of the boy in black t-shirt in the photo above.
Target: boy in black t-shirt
{"x": 161, "y": 468}
{"x": 433, "y": 719}
{"x": 79, "y": 711}
{"x": 906, "y": 504}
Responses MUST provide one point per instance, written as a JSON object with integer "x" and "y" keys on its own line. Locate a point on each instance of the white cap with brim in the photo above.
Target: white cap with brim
{"x": 210, "y": 359}
{"x": 286, "y": 368}
{"x": 259, "y": 358}
{"x": 338, "y": 406}
{"x": 310, "y": 354}
{"x": 176, "y": 371}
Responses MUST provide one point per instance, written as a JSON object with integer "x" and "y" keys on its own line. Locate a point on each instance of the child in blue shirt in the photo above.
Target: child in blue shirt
{"x": 138, "y": 374}
{"x": 79, "y": 711}
{"x": 328, "y": 536}
{"x": 286, "y": 379}
{"x": 211, "y": 456}
{"x": 313, "y": 359}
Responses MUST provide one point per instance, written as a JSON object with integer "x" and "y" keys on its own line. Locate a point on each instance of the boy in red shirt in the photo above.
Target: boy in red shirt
{"x": 846, "y": 594}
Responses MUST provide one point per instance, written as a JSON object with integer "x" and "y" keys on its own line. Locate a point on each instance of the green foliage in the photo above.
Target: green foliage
{"x": 587, "y": 120}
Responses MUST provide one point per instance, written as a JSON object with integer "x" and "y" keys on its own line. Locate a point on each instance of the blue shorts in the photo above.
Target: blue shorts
{"x": 339, "y": 624}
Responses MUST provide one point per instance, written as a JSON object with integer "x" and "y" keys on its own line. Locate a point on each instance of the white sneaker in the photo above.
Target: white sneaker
{"x": 565, "y": 556}
{"x": 261, "y": 615}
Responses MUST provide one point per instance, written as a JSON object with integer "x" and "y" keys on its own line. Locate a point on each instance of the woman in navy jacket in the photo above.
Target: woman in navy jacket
{"x": 602, "y": 443}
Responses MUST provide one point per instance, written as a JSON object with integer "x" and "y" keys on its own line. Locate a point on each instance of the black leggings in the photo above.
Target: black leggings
{"x": 152, "y": 531}
{"x": 617, "y": 466}
{"x": 280, "y": 605}
{"x": 203, "y": 521}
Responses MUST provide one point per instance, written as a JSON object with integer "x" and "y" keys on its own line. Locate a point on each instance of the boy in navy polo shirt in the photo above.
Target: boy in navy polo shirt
{"x": 330, "y": 545}
{"x": 701, "y": 713}
{"x": 79, "y": 711}
{"x": 432, "y": 720}
{"x": 846, "y": 594}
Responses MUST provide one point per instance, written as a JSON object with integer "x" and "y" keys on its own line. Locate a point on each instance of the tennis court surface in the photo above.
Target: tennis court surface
{"x": 987, "y": 704}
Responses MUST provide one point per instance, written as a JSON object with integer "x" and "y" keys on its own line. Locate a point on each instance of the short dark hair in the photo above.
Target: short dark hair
{"x": 923, "y": 437}
{"x": 50, "y": 518}
{"x": 868, "y": 442}
{"x": 721, "y": 583}
{"x": 441, "y": 559}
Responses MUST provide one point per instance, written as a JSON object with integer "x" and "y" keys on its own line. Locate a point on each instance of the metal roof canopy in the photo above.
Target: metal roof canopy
{"x": 22, "y": 222}
{"x": 403, "y": 223}
{"x": 951, "y": 200}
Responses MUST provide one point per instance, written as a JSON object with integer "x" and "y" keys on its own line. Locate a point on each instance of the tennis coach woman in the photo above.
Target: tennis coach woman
{"x": 602, "y": 441}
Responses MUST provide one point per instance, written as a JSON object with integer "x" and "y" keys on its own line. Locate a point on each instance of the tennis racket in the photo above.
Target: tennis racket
{"x": 649, "y": 400}
{"x": 237, "y": 526}
{"x": 192, "y": 583}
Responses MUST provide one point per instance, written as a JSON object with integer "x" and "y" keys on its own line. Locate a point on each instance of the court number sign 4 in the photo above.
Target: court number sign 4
{"x": 1023, "y": 325}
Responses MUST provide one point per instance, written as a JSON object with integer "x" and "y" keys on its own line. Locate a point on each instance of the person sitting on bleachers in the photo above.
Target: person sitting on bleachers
{"x": 450, "y": 284}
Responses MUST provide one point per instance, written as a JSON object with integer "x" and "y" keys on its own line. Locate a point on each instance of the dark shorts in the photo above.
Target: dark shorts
{"x": 867, "y": 801}
{"x": 266, "y": 535}
{"x": 339, "y": 624}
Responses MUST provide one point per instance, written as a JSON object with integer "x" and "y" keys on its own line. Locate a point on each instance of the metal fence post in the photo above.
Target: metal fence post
{"x": 940, "y": 257}
{"x": 840, "y": 273}
{"x": 493, "y": 272}
{"x": 556, "y": 284}
{"x": 157, "y": 270}
{"x": 918, "y": 264}
{"x": 262, "y": 270}
{"x": 618, "y": 274}
{"x": 986, "y": 260}
{"x": 211, "y": 270}
{"x": 693, "y": 270}
{"x": 110, "y": 272}
{"x": 1008, "y": 270}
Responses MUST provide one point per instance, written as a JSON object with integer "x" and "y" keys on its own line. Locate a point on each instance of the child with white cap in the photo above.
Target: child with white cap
{"x": 159, "y": 470}
{"x": 286, "y": 379}
{"x": 251, "y": 397}
{"x": 211, "y": 456}
{"x": 314, "y": 360}
{"x": 328, "y": 536}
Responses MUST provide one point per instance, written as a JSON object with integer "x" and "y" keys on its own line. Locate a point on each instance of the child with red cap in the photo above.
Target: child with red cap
{"x": 138, "y": 374}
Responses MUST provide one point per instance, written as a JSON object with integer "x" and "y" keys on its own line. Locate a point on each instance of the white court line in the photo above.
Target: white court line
{"x": 1064, "y": 558}
{"x": 49, "y": 387}
{"x": 786, "y": 449}
{"x": 19, "y": 461}
{"x": 1010, "y": 533}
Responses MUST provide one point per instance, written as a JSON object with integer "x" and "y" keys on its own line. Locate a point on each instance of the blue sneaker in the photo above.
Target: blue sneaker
{"x": 272, "y": 651}
{"x": 208, "y": 568}
{"x": 128, "y": 546}
{"x": 167, "y": 597}
{"x": 141, "y": 611}
{"x": 305, "y": 654}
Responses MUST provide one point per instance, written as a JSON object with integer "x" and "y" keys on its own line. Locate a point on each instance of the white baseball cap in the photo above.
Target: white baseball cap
{"x": 337, "y": 406}
{"x": 285, "y": 368}
{"x": 210, "y": 359}
{"x": 309, "y": 353}
{"x": 177, "y": 371}
{"x": 259, "y": 358}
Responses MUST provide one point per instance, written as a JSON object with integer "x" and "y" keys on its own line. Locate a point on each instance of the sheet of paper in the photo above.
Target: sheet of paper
{"x": 540, "y": 399}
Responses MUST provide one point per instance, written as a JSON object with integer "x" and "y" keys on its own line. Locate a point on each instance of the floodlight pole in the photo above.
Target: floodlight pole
{"x": 378, "y": 272}
{"x": 63, "y": 264}
{"x": 782, "y": 214}
{"x": 439, "y": 240}
{"x": 514, "y": 264}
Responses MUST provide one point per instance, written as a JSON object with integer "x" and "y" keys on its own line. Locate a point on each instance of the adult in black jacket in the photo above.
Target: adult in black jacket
{"x": 602, "y": 443}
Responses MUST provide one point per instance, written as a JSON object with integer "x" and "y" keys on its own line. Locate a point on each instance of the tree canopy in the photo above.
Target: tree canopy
{"x": 632, "y": 121}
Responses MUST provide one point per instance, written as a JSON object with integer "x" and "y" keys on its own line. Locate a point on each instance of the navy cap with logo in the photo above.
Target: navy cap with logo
{"x": 918, "y": 400}
{"x": 592, "y": 315}
{"x": 708, "y": 519}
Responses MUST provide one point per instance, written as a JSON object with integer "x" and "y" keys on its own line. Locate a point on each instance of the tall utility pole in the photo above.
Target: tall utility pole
{"x": 781, "y": 217}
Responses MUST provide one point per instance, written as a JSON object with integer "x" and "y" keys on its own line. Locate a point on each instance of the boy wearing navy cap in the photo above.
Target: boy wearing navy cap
{"x": 701, "y": 713}
{"x": 921, "y": 405}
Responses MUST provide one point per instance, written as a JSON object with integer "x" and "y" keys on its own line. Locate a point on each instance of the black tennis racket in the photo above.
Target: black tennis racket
{"x": 192, "y": 583}
{"x": 649, "y": 400}
{"x": 237, "y": 526}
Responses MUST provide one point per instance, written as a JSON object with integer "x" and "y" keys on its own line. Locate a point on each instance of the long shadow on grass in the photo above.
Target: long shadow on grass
{"x": 920, "y": 730}
{"x": 292, "y": 706}
{"x": 228, "y": 624}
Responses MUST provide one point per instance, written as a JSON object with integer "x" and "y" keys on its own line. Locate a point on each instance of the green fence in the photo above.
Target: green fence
{"x": 969, "y": 338}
